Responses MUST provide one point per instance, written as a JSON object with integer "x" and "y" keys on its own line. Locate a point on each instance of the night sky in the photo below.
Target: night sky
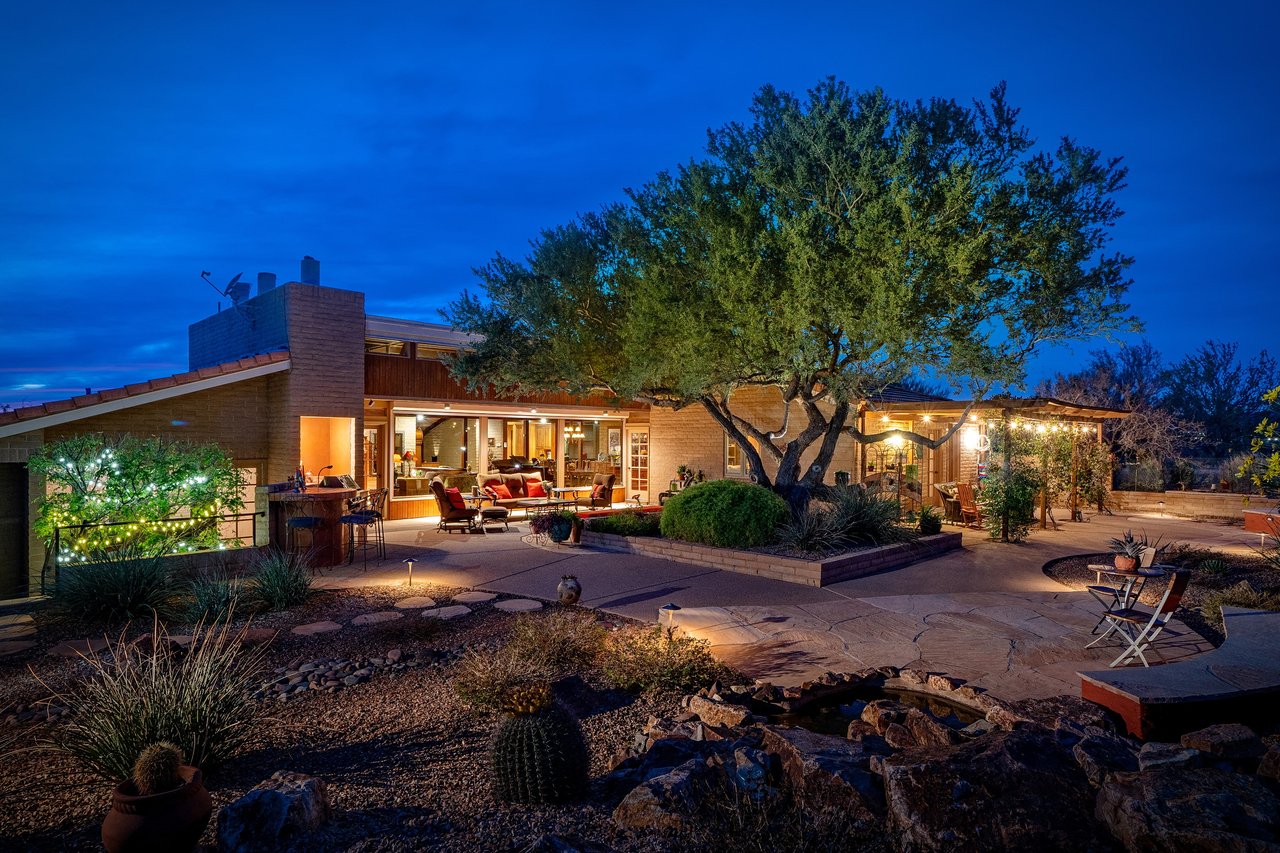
{"x": 145, "y": 142}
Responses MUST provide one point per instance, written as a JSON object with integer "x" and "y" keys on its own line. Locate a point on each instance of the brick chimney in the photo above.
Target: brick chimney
{"x": 310, "y": 270}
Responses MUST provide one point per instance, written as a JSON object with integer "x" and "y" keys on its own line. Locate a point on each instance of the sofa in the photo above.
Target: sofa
{"x": 517, "y": 484}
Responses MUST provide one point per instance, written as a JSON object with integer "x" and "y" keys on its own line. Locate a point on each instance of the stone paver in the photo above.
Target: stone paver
{"x": 12, "y": 647}
{"x": 415, "y": 602}
{"x": 76, "y": 648}
{"x": 519, "y": 605}
{"x": 377, "y": 617}
{"x": 452, "y": 612}
{"x": 474, "y": 597}
{"x": 16, "y": 619}
{"x": 17, "y": 632}
{"x": 313, "y": 628}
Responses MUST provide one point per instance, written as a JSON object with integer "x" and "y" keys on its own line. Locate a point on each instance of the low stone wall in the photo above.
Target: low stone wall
{"x": 1219, "y": 505}
{"x": 793, "y": 570}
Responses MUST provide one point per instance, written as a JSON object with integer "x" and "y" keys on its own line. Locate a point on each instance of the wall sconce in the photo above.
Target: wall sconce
{"x": 969, "y": 438}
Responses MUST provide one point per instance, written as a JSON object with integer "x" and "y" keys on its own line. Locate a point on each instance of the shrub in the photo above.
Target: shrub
{"x": 485, "y": 677}
{"x": 863, "y": 518}
{"x": 658, "y": 658}
{"x": 628, "y": 523}
{"x": 727, "y": 513}
{"x": 930, "y": 521}
{"x": 152, "y": 692}
{"x": 1240, "y": 595}
{"x": 538, "y": 754}
{"x": 215, "y": 594}
{"x": 1012, "y": 494}
{"x": 813, "y": 533}
{"x": 281, "y": 579}
{"x": 561, "y": 641}
{"x": 131, "y": 582}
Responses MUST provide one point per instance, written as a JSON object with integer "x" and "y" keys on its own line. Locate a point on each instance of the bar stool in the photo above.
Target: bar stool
{"x": 367, "y": 515}
{"x": 300, "y": 520}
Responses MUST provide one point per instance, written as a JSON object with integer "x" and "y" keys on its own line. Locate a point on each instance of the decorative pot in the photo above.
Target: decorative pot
{"x": 1126, "y": 564}
{"x": 569, "y": 590}
{"x": 575, "y": 533}
{"x": 560, "y": 530}
{"x": 172, "y": 821}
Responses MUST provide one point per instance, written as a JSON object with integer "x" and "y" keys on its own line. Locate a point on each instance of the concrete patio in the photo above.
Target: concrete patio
{"x": 987, "y": 613}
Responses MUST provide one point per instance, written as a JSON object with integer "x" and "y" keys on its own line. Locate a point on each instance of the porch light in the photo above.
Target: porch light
{"x": 969, "y": 438}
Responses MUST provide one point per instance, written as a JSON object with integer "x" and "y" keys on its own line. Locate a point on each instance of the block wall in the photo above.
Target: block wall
{"x": 255, "y": 326}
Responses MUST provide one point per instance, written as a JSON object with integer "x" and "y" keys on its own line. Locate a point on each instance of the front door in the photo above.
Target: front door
{"x": 638, "y": 463}
{"x": 14, "y": 527}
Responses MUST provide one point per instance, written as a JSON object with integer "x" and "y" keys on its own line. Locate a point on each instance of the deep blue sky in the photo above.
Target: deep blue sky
{"x": 403, "y": 145}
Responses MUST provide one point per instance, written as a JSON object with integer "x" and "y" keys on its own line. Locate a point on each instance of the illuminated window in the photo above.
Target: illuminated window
{"x": 733, "y": 465}
{"x": 382, "y": 346}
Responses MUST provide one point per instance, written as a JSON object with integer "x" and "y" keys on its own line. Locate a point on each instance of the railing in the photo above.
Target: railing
{"x": 231, "y": 528}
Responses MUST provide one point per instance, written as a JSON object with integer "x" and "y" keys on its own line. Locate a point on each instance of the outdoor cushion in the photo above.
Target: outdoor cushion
{"x": 501, "y": 491}
{"x": 536, "y": 490}
{"x": 455, "y": 498}
{"x": 597, "y": 492}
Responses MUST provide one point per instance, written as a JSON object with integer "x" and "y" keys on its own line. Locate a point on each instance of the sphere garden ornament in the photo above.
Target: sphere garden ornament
{"x": 569, "y": 590}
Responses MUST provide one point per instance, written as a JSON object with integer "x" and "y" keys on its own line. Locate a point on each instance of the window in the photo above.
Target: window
{"x": 426, "y": 352}
{"x": 733, "y": 464}
{"x": 382, "y": 346}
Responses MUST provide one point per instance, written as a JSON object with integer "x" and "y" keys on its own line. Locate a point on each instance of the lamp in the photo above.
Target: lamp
{"x": 668, "y": 611}
{"x": 408, "y": 561}
{"x": 969, "y": 438}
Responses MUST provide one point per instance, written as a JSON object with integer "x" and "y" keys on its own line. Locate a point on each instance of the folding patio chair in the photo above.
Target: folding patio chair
{"x": 1141, "y": 628}
{"x": 1122, "y": 594}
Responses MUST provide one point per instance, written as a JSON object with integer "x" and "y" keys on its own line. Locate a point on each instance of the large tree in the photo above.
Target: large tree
{"x": 1218, "y": 389}
{"x": 834, "y": 244}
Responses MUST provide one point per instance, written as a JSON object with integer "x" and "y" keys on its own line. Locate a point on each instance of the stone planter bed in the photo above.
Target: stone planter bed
{"x": 841, "y": 567}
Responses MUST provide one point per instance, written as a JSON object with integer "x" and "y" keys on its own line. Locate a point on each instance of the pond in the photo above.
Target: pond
{"x": 833, "y": 717}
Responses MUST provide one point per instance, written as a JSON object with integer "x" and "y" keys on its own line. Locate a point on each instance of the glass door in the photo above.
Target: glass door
{"x": 638, "y": 463}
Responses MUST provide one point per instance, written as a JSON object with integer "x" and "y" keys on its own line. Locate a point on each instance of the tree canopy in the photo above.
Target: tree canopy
{"x": 834, "y": 244}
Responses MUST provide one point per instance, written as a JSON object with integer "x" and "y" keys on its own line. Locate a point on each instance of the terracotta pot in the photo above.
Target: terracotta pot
{"x": 172, "y": 821}
{"x": 1125, "y": 564}
{"x": 569, "y": 590}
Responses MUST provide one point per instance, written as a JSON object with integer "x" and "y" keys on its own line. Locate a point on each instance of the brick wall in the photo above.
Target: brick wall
{"x": 255, "y": 326}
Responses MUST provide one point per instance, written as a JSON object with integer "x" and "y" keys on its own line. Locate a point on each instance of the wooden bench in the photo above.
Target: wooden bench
{"x": 1237, "y": 682}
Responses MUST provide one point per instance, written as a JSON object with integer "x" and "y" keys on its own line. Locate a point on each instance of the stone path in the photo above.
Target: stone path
{"x": 378, "y": 617}
{"x": 474, "y": 597}
{"x": 519, "y": 605}
{"x": 453, "y": 612}
{"x": 312, "y": 628}
{"x": 415, "y": 602}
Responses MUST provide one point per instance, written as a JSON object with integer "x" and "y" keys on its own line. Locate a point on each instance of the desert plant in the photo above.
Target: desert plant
{"x": 156, "y": 769}
{"x": 930, "y": 521}
{"x": 1216, "y": 566}
{"x": 727, "y": 513}
{"x": 864, "y": 518}
{"x": 151, "y": 692}
{"x": 538, "y": 753}
{"x": 813, "y": 533}
{"x": 484, "y": 677}
{"x": 280, "y": 579}
{"x": 1241, "y": 595}
{"x": 628, "y": 523}
{"x": 1128, "y": 545}
{"x": 216, "y": 593}
{"x": 562, "y": 641}
{"x": 658, "y": 658}
{"x": 133, "y": 581}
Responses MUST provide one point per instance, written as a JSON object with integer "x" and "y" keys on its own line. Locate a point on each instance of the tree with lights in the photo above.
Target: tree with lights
{"x": 833, "y": 245}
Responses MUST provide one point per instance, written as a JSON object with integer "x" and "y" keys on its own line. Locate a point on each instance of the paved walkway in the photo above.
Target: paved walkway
{"x": 987, "y": 613}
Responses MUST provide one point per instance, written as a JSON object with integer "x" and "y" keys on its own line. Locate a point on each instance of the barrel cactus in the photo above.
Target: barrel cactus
{"x": 539, "y": 755}
{"x": 156, "y": 769}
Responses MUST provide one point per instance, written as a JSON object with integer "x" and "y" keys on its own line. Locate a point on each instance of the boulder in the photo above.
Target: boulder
{"x": 1269, "y": 767}
{"x": 1180, "y": 808}
{"x": 753, "y": 771}
{"x": 1230, "y": 742}
{"x": 828, "y": 771}
{"x": 1017, "y": 790}
{"x": 1056, "y": 712}
{"x": 1155, "y": 754}
{"x": 899, "y": 737}
{"x": 274, "y": 813}
{"x": 927, "y": 730}
{"x": 882, "y": 712}
{"x": 665, "y": 802}
{"x": 1101, "y": 755}
{"x": 718, "y": 713}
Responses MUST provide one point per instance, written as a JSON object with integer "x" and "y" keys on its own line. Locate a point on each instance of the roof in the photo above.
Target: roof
{"x": 29, "y": 418}
{"x": 416, "y": 331}
{"x": 1029, "y": 406}
{"x": 895, "y": 393}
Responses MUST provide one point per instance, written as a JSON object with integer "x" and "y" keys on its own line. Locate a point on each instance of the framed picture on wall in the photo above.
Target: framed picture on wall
{"x": 615, "y": 441}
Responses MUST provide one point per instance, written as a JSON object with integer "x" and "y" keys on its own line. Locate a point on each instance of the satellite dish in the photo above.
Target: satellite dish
{"x": 235, "y": 288}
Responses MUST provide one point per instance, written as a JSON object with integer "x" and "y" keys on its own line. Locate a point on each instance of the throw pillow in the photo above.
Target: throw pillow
{"x": 597, "y": 492}
{"x": 455, "y": 498}
{"x": 536, "y": 489}
{"x": 502, "y": 492}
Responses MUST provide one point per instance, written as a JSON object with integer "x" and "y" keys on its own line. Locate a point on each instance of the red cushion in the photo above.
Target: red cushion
{"x": 536, "y": 490}
{"x": 597, "y": 492}
{"x": 455, "y": 498}
{"x": 501, "y": 490}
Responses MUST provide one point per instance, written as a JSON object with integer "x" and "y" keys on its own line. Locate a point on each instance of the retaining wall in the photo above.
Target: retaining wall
{"x": 808, "y": 572}
{"x": 1223, "y": 505}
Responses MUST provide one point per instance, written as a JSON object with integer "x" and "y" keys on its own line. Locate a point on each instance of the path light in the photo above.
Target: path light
{"x": 668, "y": 611}
{"x": 408, "y": 561}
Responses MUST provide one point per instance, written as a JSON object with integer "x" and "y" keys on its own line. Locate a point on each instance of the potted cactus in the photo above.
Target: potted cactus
{"x": 162, "y": 806}
{"x": 538, "y": 752}
{"x": 1128, "y": 550}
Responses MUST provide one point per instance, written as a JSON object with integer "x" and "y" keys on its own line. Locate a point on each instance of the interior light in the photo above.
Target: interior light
{"x": 927, "y": 418}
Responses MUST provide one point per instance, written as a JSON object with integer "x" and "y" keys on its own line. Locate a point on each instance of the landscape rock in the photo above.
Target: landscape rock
{"x": 718, "y": 713}
{"x": 927, "y": 730}
{"x": 377, "y": 617}
{"x": 1100, "y": 755}
{"x": 882, "y": 712}
{"x": 274, "y": 814}
{"x": 753, "y": 770}
{"x": 1180, "y": 808}
{"x": 829, "y": 771}
{"x": 1016, "y": 790}
{"x": 519, "y": 605}
{"x": 914, "y": 676}
{"x": 664, "y": 802}
{"x": 77, "y": 648}
{"x": 1155, "y": 754}
{"x": 1231, "y": 742}
{"x": 944, "y": 683}
{"x": 1070, "y": 713}
{"x": 1269, "y": 767}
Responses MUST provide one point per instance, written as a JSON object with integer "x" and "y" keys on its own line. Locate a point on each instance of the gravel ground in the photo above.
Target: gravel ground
{"x": 404, "y": 758}
{"x": 1073, "y": 572}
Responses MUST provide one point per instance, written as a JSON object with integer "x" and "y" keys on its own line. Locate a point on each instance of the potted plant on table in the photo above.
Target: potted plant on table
{"x": 163, "y": 806}
{"x": 1128, "y": 550}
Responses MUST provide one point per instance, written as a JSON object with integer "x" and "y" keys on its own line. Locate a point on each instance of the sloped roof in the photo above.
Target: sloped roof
{"x": 28, "y": 418}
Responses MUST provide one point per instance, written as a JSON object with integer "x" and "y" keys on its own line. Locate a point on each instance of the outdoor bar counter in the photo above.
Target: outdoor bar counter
{"x": 329, "y": 505}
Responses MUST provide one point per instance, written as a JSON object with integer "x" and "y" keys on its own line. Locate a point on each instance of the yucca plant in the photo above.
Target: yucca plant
{"x": 815, "y": 532}
{"x": 143, "y": 693}
{"x": 539, "y": 755}
{"x": 280, "y": 579}
{"x": 216, "y": 593}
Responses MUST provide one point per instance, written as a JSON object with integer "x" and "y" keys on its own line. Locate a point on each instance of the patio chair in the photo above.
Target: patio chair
{"x": 452, "y": 517}
{"x": 601, "y": 492}
{"x": 1141, "y": 628}
{"x": 1120, "y": 595}
{"x": 970, "y": 513}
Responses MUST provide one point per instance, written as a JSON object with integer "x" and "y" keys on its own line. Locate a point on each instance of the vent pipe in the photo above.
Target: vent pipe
{"x": 310, "y": 270}
{"x": 266, "y": 281}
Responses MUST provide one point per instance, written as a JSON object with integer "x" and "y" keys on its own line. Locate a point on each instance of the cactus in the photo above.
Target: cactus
{"x": 156, "y": 770}
{"x": 539, "y": 755}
